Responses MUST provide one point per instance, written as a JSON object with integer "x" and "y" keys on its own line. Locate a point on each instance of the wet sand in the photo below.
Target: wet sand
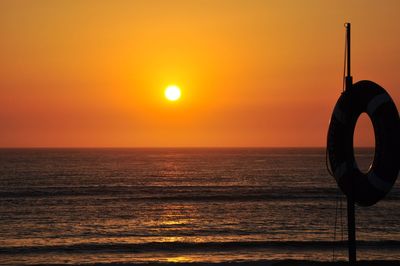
{"x": 254, "y": 263}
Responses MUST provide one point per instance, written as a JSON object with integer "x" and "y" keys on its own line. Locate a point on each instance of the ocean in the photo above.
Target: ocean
{"x": 86, "y": 206}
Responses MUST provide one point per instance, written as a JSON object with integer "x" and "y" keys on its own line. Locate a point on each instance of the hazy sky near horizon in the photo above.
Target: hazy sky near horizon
{"x": 252, "y": 73}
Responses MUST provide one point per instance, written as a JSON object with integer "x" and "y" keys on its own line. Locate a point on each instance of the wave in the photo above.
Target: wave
{"x": 181, "y": 193}
{"x": 192, "y": 246}
{"x": 191, "y": 194}
{"x": 175, "y": 197}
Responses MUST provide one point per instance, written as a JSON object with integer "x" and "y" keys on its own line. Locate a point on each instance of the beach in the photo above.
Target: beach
{"x": 256, "y": 263}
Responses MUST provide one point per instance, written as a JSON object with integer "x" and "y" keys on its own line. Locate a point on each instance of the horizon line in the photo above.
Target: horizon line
{"x": 170, "y": 147}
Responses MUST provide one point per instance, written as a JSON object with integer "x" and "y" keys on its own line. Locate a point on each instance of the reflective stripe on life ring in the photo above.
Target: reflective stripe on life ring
{"x": 365, "y": 97}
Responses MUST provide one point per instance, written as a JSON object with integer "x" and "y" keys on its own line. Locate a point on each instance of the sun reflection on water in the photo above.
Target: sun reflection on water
{"x": 179, "y": 259}
{"x": 175, "y": 222}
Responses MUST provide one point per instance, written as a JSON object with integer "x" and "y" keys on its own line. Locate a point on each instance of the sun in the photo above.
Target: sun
{"x": 172, "y": 93}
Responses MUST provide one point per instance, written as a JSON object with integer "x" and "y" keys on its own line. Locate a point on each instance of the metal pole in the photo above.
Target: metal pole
{"x": 351, "y": 219}
{"x": 349, "y": 78}
{"x": 351, "y": 227}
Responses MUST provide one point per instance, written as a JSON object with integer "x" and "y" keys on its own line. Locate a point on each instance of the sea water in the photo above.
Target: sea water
{"x": 77, "y": 206}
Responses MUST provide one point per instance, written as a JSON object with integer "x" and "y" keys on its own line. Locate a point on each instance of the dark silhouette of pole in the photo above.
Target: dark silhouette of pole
{"x": 351, "y": 227}
{"x": 351, "y": 219}
{"x": 349, "y": 78}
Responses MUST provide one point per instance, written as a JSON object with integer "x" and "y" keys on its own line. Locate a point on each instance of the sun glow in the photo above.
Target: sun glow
{"x": 172, "y": 93}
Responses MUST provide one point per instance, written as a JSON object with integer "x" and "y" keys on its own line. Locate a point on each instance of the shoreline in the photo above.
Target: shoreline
{"x": 248, "y": 263}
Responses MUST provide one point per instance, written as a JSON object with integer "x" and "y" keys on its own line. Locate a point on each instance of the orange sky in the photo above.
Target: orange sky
{"x": 252, "y": 73}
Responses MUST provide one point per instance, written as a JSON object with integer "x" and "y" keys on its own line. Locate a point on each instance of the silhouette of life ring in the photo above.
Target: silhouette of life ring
{"x": 365, "y": 188}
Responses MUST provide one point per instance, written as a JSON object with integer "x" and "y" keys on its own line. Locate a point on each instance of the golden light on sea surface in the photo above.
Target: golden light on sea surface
{"x": 172, "y": 93}
{"x": 178, "y": 259}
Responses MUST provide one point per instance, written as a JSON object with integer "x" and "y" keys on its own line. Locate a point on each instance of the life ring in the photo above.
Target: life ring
{"x": 365, "y": 188}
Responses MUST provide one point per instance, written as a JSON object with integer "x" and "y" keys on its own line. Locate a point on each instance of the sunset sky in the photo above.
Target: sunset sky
{"x": 251, "y": 73}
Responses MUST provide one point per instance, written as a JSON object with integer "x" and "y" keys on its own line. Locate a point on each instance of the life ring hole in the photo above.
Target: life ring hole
{"x": 364, "y": 143}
